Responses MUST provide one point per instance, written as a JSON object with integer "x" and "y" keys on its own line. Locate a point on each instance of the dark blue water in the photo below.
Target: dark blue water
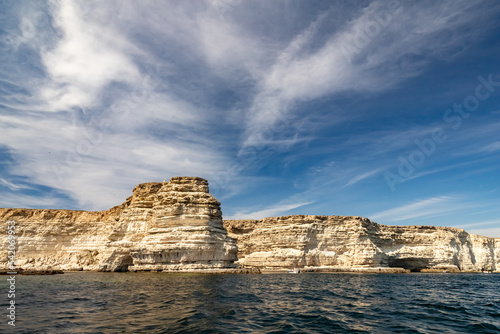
{"x": 87, "y": 302}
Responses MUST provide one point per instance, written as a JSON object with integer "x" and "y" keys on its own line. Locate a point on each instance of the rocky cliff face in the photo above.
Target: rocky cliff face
{"x": 174, "y": 225}
{"x": 185, "y": 231}
{"x": 178, "y": 225}
{"x": 63, "y": 239}
{"x": 299, "y": 241}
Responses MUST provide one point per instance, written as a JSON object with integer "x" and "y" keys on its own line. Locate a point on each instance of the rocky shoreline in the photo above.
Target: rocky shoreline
{"x": 256, "y": 271}
{"x": 31, "y": 272}
{"x": 177, "y": 226}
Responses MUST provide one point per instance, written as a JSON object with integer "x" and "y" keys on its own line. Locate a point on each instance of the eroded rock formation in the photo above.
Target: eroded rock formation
{"x": 178, "y": 225}
{"x": 185, "y": 231}
{"x": 174, "y": 225}
{"x": 335, "y": 241}
{"x": 57, "y": 239}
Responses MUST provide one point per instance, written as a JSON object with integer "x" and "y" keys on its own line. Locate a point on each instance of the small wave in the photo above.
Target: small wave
{"x": 317, "y": 303}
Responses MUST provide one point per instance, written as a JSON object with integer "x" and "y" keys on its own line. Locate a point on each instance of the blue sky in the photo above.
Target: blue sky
{"x": 387, "y": 110}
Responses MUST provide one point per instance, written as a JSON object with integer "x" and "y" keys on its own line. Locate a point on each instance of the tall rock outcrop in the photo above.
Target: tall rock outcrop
{"x": 336, "y": 241}
{"x": 173, "y": 225}
{"x": 130, "y": 227}
{"x": 185, "y": 231}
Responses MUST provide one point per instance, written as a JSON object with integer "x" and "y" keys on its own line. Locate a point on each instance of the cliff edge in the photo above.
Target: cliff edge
{"x": 174, "y": 225}
{"x": 337, "y": 241}
{"x": 178, "y": 226}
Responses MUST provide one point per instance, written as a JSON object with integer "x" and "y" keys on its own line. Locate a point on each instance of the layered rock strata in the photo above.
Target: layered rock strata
{"x": 57, "y": 239}
{"x": 174, "y": 225}
{"x": 186, "y": 230}
{"x": 355, "y": 242}
{"x": 178, "y": 225}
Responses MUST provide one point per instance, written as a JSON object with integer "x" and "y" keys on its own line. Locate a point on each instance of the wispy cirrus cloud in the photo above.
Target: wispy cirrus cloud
{"x": 14, "y": 200}
{"x": 363, "y": 176}
{"x": 87, "y": 58}
{"x": 279, "y": 209}
{"x": 490, "y": 148}
{"x": 493, "y": 232}
{"x": 106, "y": 95}
{"x": 430, "y": 207}
{"x": 13, "y": 186}
{"x": 98, "y": 121}
{"x": 301, "y": 73}
{"x": 482, "y": 224}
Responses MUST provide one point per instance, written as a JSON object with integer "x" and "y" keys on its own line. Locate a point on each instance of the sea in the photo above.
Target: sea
{"x": 93, "y": 302}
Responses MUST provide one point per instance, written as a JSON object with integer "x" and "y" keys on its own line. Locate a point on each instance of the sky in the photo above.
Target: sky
{"x": 388, "y": 110}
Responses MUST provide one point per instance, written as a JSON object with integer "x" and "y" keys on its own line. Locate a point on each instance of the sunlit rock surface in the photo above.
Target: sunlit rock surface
{"x": 336, "y": 241}
{"x": 174, "y": 225}
{"x": 177, "y": 225}
{"x": 185, "y": 231}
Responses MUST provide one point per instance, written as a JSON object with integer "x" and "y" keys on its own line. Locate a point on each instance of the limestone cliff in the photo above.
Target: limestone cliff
{"x": 60, "y": 239}
{"x": 185, "y": 231}
{"x": 178, "y": 225}
{"x": 300, "y": 241}
{"x": 174, "y": 225}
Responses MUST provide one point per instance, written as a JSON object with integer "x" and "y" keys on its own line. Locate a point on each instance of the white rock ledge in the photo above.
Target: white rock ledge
{"x": 177, "y": 226}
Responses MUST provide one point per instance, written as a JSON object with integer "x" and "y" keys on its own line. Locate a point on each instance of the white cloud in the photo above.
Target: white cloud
{"x": 363, "y": 176}
{"x": 481, "y": 223}
{"x": 275, "y": 210}
{"x": 226, "y": 47}
{"x": 148, "y": 72}
{"x": 493, "y": 232}
{"x": 13, "y": 200}
{"x": 13, "y": 186}
{"x": 96, "y": 166}
{"x": 437, "y": 170}
{"x": 490, "y": 148}
{"x": 147, "y": 132}
{"x": 431, "y": 207}
{"x": 392, "y": 51}
{"x": 87, "y": 58}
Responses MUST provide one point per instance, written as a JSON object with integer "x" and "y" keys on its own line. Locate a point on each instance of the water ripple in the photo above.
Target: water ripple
{"x": 279, "y": 303}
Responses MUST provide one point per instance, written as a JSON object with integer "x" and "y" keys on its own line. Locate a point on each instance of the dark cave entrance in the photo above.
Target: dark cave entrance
{"x": 123, "y": 263}
{"x": 411, "y": 263}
